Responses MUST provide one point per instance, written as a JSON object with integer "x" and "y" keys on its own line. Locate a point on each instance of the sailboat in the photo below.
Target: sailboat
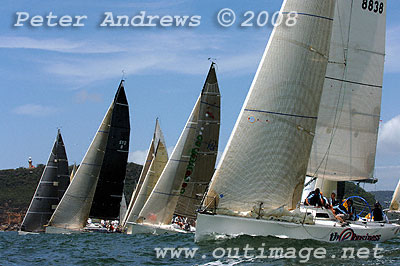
{"x": 73, "y": 210}
{"x": 258, "y": 183}
{"x": 51, "y": 188}
{"x": 394, "y": 209}
{"x": 108, "y": 196}
{"x": 157, "y": 158}
{"x": 181, "y": 176}
{"x": 73, "y": 172}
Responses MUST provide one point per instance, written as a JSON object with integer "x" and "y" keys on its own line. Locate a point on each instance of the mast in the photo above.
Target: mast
{"x": 108, "y": 195}
{"x": 51, "y": 187}
{"x": 265, "y": 161}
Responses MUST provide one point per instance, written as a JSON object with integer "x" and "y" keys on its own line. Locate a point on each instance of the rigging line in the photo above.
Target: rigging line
{"x": 341, "y": 94}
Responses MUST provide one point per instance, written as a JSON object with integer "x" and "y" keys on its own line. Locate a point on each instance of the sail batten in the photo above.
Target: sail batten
{"x": 266, "y": 157}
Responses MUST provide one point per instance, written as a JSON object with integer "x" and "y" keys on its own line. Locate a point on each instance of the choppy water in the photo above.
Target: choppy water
{"x": 120, "y": 249}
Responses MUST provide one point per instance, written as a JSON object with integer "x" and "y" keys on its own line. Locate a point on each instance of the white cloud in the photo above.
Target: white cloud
{"x": 58, "y": 45}
{"x": 34, "y": 110}
{"x": 84, "y": 96}
{"x": 392, "y": 63}
{"x": 389, "y": 136}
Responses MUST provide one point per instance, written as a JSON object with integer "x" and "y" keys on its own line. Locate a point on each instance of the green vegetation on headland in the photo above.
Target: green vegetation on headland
{"x": 19, "y": 185}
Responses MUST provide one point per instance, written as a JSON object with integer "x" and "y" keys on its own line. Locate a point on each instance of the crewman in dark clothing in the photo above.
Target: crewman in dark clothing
{"x": 344, "y": 213}
{"x": 314, "y": 198}
{"x": 377, "y": 212}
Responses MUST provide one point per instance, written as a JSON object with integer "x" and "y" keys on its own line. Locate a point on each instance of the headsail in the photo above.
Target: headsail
{"x": 157, "y": 165}
{"x": 108, "y": 196}
{"x": 51, "y": 188}
{"x": 73, "y": 210}
{"x": 122, "y": 209}
{"x": 196, "y": 182}
{"x": 395, "y": 203}
{"x": 266, "y": 158}
{"x": 346, "y": 136}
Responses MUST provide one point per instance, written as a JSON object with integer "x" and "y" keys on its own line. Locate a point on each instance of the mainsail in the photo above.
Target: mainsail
{"x": 73, "y": 210}
{"x": 347, "y": 128}
{"x": 266, "y": 158}
{"x": 51, "y": 188}
{"x": 395, "y": 203}
{"x": 196, "y": 182}
{"x": 160, "y": 206}
{"x": 108, "y": 196}
{"x": 159, "y": 159}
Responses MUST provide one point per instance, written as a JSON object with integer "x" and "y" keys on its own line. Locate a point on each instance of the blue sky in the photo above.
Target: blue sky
{"x": 66, "y": 77}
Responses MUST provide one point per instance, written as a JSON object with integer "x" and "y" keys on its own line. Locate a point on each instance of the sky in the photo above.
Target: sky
{"x": 66, "y": 77}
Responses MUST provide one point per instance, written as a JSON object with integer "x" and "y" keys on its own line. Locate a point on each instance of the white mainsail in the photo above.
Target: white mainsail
{"x": 395, "y": 203}
{"x": 266, "y": 158}
{"x": 347, "y": 128}
{"x": 157, "y": 165}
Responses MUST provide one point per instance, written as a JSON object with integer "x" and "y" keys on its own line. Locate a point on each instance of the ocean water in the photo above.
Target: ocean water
{"x": 121, "y": 249}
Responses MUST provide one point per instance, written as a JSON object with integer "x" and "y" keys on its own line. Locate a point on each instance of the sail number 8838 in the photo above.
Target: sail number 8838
{"x": 372, "y": 5}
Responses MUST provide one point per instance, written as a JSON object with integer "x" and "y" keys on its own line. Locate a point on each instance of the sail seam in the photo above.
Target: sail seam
{"x": 278, "y": 113}
{"x": 354, "y": 82}
{"x": 216, "y": 106}
{"x": 310, "y": 15}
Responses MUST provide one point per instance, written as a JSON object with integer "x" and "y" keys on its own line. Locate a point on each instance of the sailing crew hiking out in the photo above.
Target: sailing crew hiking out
{"x": 345, "y": 211}
{"x": 314, "y": 199}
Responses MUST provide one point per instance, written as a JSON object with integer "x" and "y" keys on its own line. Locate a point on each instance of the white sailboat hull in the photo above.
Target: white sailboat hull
{"x": 23, "y": 233}
{"x": 136, "y": 228}
{"x": 323, "y": 230}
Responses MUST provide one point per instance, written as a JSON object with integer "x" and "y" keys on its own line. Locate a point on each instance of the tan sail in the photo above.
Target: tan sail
{"x": 157, "y": 165}
{"x": 395, "y": 203}
{"x": 74, "y": 169}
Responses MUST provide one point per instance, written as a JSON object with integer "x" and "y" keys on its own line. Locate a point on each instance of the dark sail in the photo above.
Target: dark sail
{"x": 51, "y": 188}
{"x": 108, "y": 195}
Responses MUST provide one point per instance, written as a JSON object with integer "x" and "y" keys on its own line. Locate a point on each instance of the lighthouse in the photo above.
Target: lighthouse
{"x": 30, "y": 162}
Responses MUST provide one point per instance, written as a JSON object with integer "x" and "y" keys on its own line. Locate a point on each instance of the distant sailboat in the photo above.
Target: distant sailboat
{"x": 176, "y": 179}
{"x": 51, "y": 188}
{"x": 109, "y": 189}
{"x": 72, "y": 212}
{"x": 122, "y": 209}
{"x": 394, "y": 209}
{"x": 157, "y": 158}
{"x": 73, "y": 172}
{"x": 257, "y": 186}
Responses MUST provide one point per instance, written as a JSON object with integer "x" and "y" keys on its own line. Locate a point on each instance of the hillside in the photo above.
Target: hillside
{"x": 18, "y": 186}
{"x": 384, "y": 197}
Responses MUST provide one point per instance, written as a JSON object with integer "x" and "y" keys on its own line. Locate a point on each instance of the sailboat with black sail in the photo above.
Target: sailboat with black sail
{"x": 73, "y": 210}
{"x": 50, "y": 190}
{"x": 258, "y": 183}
